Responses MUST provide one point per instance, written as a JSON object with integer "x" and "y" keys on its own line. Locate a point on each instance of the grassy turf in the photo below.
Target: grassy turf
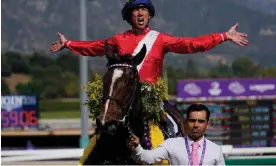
{"x": 59, "y": 108}
{"x": 61, "y": 115}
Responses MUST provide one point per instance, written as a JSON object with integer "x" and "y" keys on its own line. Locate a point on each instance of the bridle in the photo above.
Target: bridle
{"x": 126, "y": 108}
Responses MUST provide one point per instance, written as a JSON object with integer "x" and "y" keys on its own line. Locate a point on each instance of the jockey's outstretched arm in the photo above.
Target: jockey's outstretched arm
{"x": 88, "y": 48}
{"x": 186, "y": 45}
{"x": 85, "y": 48}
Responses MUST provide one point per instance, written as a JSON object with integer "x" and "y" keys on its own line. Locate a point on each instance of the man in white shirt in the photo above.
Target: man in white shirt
{"x": 193, "y": 149}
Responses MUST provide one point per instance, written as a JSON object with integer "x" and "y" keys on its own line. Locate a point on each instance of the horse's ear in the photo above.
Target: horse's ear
{"x": 108, "y": 51}
{"x": 140, "y": 56}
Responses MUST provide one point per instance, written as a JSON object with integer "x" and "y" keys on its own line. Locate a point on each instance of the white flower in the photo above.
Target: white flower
{"x": 142, "y": 88}
{"x": 161, "y": 105}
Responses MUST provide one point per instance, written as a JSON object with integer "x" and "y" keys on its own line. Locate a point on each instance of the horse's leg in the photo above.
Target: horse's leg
{"x": 176, "y": 115}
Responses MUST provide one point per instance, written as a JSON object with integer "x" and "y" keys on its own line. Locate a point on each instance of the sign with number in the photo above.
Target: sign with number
{"x": 19, "y": 112}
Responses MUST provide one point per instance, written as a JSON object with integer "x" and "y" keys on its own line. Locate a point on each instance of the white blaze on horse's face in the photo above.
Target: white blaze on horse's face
{"x": 117, "y": 73}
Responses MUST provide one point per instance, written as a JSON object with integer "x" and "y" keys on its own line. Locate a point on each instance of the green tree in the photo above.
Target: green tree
{"x": 20, "y": 66}
{"x": 68, "y": 62}
{"x": 32, "y": 87}
{"x": 171, "y": 86}
{"x": 37, "y": 72}
{"x": 266, "y": 71}
{"x": 53, "y": 71}
{"x": 72, "y": 86}
{"x": 191, "y": 69}
{"x": 173, "y": 76}
{"x": 17, "y": 62}
{"x": 51, "y": 83}
{"x": 220, "y": 71}
{"x": 243, "y": 66}
{"x": 51, "y": 92}
{"x": 5, "y": 90}
{"x": 203, "y": 73}
{"x": 8, "y": 57}
{"x": 37, "y": 59}
{"x": 5, "y": 70}
{"x": 53, "y": 79}
{"x": 171, "y": 79}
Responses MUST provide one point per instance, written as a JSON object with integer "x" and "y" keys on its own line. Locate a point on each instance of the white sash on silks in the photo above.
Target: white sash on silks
{"x": 149, "y": 40}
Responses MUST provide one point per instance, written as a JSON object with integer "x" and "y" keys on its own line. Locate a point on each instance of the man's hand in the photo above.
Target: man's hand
{"x": 59, "y": 44}
{"x": 133, "y": 142}
{"x": 237, "y": 37}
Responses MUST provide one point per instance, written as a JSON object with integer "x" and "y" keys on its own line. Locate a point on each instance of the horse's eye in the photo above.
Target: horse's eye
{"x": 129, "y": 82}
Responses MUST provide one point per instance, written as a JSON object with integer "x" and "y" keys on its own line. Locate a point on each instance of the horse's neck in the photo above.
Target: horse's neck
{"x": 112, "y": 146}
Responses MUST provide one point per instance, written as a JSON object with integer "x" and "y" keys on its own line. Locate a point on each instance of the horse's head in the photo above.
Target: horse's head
{"x": 120, "y": 90}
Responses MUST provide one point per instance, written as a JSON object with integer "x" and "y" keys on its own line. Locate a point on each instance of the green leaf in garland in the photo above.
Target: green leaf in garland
{"x": 94, "y": 92}
{"x": 153, "y": 96}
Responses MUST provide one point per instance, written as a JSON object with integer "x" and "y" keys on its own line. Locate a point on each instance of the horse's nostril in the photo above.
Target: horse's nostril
{"x": 112, "y": 128}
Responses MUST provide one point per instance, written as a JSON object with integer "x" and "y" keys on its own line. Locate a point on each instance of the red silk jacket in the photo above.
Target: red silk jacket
{"x": 158, "y": 44}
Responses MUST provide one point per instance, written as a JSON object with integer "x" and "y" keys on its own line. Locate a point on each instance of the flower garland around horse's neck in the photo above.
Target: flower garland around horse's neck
{"x": 152, "y": 96}
{"x": 94, "y": 91}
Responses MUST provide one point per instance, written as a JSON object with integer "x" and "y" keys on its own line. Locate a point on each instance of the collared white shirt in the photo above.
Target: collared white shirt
{"x": 200, "y": 148}
{"x": 174, "y": 150}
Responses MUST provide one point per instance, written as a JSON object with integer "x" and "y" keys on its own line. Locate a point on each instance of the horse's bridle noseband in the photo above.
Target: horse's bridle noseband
{"x": 125, "y": 107}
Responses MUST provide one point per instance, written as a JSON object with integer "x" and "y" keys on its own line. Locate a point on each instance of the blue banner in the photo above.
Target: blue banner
{"x": 19, "y": 112}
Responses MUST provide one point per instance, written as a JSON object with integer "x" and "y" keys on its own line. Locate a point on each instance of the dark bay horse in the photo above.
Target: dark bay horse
{"x": 121, "y": 112}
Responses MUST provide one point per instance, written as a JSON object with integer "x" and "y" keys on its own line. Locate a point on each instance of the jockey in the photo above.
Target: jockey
{"x": 138, "y": 14}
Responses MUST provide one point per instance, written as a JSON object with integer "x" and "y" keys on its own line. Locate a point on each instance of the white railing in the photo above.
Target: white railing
{"x": 34, "y": 155}
{"x": 55, "y": 154}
